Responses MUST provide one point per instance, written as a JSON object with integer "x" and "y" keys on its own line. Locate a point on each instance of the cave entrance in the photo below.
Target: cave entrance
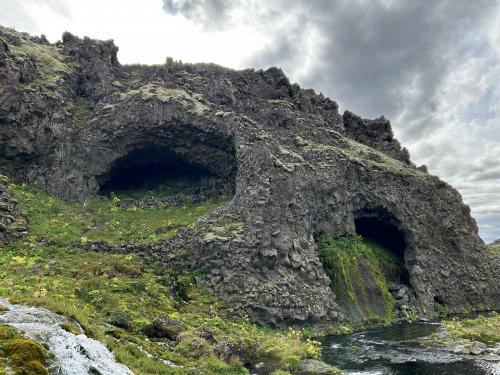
{"x": 160, "y": 171}
{"x": 382, "y": 230}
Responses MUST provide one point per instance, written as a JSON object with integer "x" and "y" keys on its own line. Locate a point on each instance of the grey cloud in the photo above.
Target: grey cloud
{"x": 210, "y": 13}
{"x": 392, "y": 58}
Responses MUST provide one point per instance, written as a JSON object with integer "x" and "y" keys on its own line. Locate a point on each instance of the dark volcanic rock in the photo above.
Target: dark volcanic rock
{"x": 72, "y": 119}
{"x": 12, "y": 221}
{"x": 163, "y": 326}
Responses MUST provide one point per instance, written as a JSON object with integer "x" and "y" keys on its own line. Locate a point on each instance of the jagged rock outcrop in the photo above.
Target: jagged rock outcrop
{"x": 72, "y": 117}
{"x": 12, "y": 221}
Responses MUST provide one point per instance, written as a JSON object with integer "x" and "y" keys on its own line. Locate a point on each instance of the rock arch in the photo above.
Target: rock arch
{"x": 150, "y": 166}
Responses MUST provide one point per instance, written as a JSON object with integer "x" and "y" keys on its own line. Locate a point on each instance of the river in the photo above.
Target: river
{"x": 396, "y": 350}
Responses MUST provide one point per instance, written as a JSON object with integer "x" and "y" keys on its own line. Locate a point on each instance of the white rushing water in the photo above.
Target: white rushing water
{"x": 74, "y": 354}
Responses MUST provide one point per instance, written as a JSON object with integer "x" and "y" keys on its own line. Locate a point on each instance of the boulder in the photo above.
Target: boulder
{"x": 165, "y": 327}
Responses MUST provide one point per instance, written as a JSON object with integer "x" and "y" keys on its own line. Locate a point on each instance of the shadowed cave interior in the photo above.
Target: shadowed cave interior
{"x": 162, "y": 172}
{"x": 380, "y": 230}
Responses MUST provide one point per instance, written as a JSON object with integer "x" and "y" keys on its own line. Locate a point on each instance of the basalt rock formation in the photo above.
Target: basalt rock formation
{"x": 12, "y": 221}
{"x": 75, "y": 122}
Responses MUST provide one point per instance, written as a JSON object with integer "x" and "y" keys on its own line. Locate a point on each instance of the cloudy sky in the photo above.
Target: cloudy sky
{"x": 431, "y": 66}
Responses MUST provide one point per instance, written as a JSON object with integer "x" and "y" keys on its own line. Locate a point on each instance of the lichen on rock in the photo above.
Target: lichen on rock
{"x": 295, "y": 170}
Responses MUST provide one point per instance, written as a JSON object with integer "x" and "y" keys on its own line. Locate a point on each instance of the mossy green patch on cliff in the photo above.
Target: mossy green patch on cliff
{"x": 359, "y": 271}
{"x": 494, "y": 248}
{"x": 115, "y": 297}
{"x": 21, "y": 356}
{"x": 50, "y": 65}
{"x": 166, "y": 95}
{"x": 81, "y": 112}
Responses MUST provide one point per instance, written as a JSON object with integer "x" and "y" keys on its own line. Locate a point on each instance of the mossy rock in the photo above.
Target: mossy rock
{"x": 24, "y": 356}
{"x": 359, "y": 271}
{"x": 163, "y": 326}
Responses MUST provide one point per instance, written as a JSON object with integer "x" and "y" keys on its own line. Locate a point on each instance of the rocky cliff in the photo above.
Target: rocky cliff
{"x": 12, "y": 221}
{"x": 75, "y": 122}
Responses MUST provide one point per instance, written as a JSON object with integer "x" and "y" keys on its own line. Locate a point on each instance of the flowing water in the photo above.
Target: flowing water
{"x": 396, "y": 350}
{"x": 74, "y": 354}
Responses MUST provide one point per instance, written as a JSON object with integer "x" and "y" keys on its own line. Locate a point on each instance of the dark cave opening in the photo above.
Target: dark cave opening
{"x": 382, "y": 231}
{"x": 163, "y": 172}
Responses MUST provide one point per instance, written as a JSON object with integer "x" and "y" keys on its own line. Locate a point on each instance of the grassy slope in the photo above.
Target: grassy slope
{"x": 99, "y": 289}
{"x": 482, "y": 328}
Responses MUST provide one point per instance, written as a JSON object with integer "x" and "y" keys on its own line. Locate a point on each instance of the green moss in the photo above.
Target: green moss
{"x": 167, "y": 95}
{"x": 114, "y": 296}
{"x": 81, "y": 113}
{"x": 21, "y": 355}
{"x": 51, "y": 64}
{"x": 356, "y": 268}
{"x": 494, "y": 249}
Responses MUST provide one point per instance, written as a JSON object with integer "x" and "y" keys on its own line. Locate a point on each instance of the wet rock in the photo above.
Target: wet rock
{"x": 492, "y": 357}
{"x": 165, "y": 327}
{"x": 477, "y": 348}
{"x": 443, "y": 334}
{"x": 73, "y": 353}
{"x": 315, "y": 367}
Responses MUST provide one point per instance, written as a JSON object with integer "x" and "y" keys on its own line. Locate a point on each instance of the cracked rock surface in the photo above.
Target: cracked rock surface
{"x": 296, "y": 168}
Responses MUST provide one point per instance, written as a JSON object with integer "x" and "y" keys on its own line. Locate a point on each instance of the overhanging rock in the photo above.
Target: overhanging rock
{"x": 297, "y": 168}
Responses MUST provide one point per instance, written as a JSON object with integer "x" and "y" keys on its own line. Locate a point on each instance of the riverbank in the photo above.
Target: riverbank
{"x": 479, "y": 336}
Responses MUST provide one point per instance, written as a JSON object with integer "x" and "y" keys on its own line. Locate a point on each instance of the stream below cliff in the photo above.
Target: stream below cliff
{"x": 73, "y": 354}
{"x": 396, "y": 350}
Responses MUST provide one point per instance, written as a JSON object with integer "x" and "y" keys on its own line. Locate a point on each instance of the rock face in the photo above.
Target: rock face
{"x": 12, "y": 222}
{"x": 72, "y": 119}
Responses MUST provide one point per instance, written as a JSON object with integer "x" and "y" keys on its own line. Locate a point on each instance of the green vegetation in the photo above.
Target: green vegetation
{"x": 483, "y": 328}
{"x": 360, "y": 271}
{"x": 51, "y": 65}
{"x": 58, "y": 223}
{"x": 159, "y": 91}
{"x": 81, "y": 113}
{"x": 495, "y": 249}
{"x": 155, "y": 187}
{"x": 115, "y": 297}
{"x": 21, "y": 356}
